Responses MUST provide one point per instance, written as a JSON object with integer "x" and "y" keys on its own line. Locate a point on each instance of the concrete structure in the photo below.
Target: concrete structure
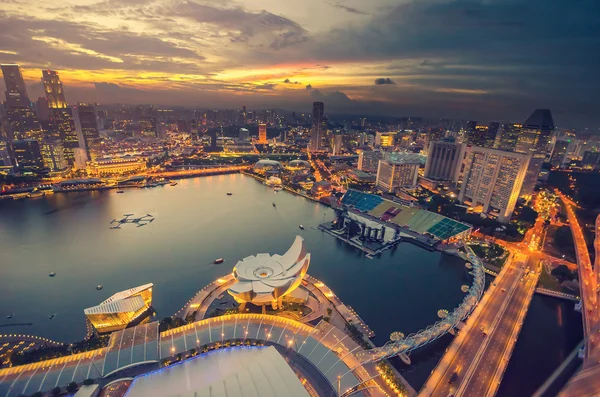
{"x": 395, "y": 174}
{"x": 23, "y": 122}
{"x": 368, "y": 160}
{"x": 265, "y": 279}
{"x": 6, "y": 158}
{"x": 116, "y": 165}
{"x": 590, "y": 159}
{"x": 81, "y": 158}
{"x": 444, "y": 160}
{"x": 317, "y": 131}
{"x": 534, "y": 139}
{"x": 240, "y": 372}
{"x": 121, "y": 309}
{"x": 385, "y": 139}
{"x": 86, "y": 125}
{"x": 559, "y": 152}
{"x": 338, "y": 144}
{"x": 493, "y": 180}
{"x": 508, "y": 136}
{"x": 262, "y": 134}
{"x": 28, "y": 156}
{"x": 53, "y": 155}
{"x": 244, "y": 134}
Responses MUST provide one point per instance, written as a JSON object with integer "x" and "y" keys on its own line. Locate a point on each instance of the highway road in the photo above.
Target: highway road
{"x": 479, "y": 359}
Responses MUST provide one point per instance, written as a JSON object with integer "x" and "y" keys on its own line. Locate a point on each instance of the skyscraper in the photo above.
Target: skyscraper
{"x": 62, "y": 125}
{"x": 368, "y": 160}
{"x": 317, "y": 131}
{"x": 53, "y": 155}
{"x": 394, "y": 174}
{"x": 493, "y": 179}
{"x": 54, "y": 89}
{"x": 86, "y": 124}
{"x": 444, "y": 159}
{"x": 28, "y": 156}
{"x": 23, "y": 122}
{"x": 559, "y": 152}
{"x": 534, "y": 139}
{"x": 508, "y": 136}
{"x": 262, "y": 133}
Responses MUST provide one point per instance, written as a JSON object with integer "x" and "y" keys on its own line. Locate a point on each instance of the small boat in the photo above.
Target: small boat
{"x": 10, "y": 316}
{"x": 229, "y": 193}
{"x": 173, "y": 183}
{"x": 120, "y": 191}
{"x": 274, "y": 205}
{"x": 301, "y": 227}
{"x": 99, "y": 287}
{"x": 52, "y": 274}
{"x": 217, "y": 261}
{"x": 52, "y": 316}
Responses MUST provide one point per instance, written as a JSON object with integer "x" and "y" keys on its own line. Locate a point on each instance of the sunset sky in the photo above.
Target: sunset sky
{"x": 482, "y": 59}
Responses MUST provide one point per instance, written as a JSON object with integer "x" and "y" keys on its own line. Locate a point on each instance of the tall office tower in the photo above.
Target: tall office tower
{"x": 317, "y": 131}
{"x": 468, "y": 131}
{"x": 22, "y": 119}
{"x": 6, "y": 159}
{"x": 493, "y": 180}
{"x": 491, "y": 134}
{"x": 53, "y": 155}
{"x": 559, "y": 152}
{"x": 338, "y": 144}
{"x": 28, "y": 156}
{"x": 444, "y": 159}
{"x": 262, "y": 133}
{"x": 43, "y": 111}
{"x": 54, "y": 89}
{"x": 396, "y": 174}
{"x": 508, "y": 136}
{"x": 534, "y": 139}
{"x": 86, "y": 124}
{"x": 368, "y": 160}
{"x": 62, "y": 125}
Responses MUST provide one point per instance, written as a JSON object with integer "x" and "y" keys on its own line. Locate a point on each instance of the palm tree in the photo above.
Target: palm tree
{"x": 71, "y": 387}
{"x": 55, "y": 391}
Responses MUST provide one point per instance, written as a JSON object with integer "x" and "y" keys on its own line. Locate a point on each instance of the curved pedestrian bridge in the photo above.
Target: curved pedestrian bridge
{"x": 328, "y": 349}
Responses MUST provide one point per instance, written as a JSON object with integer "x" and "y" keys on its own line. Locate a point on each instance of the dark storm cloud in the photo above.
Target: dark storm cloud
{"x": 383, "y": 81}
{"x": 545, "y": 52}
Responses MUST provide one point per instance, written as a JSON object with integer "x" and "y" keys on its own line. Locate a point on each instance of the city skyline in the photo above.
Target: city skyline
{"x": 457, "y": 59}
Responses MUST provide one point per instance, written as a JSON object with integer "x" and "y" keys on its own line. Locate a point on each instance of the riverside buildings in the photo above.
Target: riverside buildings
{"x": 493, "y": 179}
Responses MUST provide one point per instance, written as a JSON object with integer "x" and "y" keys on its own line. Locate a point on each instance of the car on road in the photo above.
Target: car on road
{"x": 453, "y": 377}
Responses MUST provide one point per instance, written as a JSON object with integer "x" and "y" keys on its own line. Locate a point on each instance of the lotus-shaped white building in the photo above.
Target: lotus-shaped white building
{"x": 264, "y": 279}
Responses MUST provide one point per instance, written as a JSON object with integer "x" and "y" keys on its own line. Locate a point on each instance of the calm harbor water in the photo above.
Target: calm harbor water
{"x": 196, "y": 222}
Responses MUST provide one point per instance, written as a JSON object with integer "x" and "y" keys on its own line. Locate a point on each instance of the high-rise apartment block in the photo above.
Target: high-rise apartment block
{"x": 317, "y": 132}
{"x": 368, "y": 160}
{"x": 23, "y": 121}
{"x": 262, "y": 133}
{"x": 393, "y": 174}
{"x": 444, "y": 160}
{"x": 534, "y": 139}
{"x": 493, "y": 179}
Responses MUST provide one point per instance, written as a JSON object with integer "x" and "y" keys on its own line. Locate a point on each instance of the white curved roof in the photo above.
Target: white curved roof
{"x": 263, "y": 273}
{"x": 124, "y": 301}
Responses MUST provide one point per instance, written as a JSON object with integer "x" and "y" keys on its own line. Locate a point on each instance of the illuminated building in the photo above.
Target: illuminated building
{"x": 317, "y": 131}
{"x": 53, "y": 154}
{"x": 54, "y": 89}
{"x": 118, "y": 311}
{"x": 43, "y": 111}
{"x": 81, "y": 158}
{"x": 321, "y": 188}
{"x": 86, "y": 124}
{"x": 244, "y": 134}
{"x": 392, "y": 174}
{"x": 534, "y": 139}
{"x": 493, "y": 179}
{"x": 262, "y": 133}
{"x": 590, "y": 159}
{"x": 6, "y": 160}
{"x": 559, "y": 152}
{"x": 23, "y": 122}
{"x": 264, "y": 279}
{"x": 444, "y": 160}
{"x": 148, "y": 125}
{"x": 508, "y": 136}
{"x": 338, "y": 144}
{"x": 385, "y": 139}
{"x": 368, "y": 160}
{"x": 482, "y": 135}
{"x": 61, "y": 117}
{"x": 116, "y": 166}
{"x": 28, "y": 156}
{"x": 267, "y": 167}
